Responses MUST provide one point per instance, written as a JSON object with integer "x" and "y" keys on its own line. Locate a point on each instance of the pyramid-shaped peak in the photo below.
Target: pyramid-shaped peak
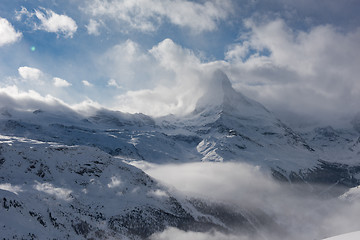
{"x": 220, "y": 77}
{"x": 219, "y": 92}
{"x": 220, "y": 96}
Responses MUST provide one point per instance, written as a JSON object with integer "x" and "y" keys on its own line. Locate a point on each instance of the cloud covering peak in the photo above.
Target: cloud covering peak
{"x": 184, "y": 81}
{"x": 157, "y": 56}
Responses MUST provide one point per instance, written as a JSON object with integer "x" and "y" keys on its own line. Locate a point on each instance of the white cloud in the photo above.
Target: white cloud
{"x": 60, "y": 193}
{"x": 129, "y": 66}
{"x": 176, "y": 234}
{"x": 86, "y": 83}
{"x": 21, "y": 13}
{"x": 8, "y": 34}
{"x": 147, "y": 15}
{"x": 249, "y": 190}
{"x": 115, "y": 182}
{"x": 11, "y": 188}
{"x": 113, "y": 83}
{"x": 158, "y": 193}
{"x": 93, "y": 27}
{"x": 58, "y": 82}
{"x": 31, "y": 74}
{"x": 56, "y": 23}
{"x": 14, "y": 98}
{"x": 310, "y": 73}
{"x": 233, "y": 181}
{"x": 176, "y": 83}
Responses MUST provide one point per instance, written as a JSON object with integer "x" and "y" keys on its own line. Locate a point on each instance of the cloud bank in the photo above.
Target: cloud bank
{"x": 11, "y": 97}
{"x": 313, "y": 72}
{"x": 298, "y": 214}
{"x": 308, "y": 73}
{"x": 310, "y": 70}
{"x": 175, "y": 77}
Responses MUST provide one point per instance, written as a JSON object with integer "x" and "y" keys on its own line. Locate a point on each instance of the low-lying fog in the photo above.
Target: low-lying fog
{"x": 298, "y": 214}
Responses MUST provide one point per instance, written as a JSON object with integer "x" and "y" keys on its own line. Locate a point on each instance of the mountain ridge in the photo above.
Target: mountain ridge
{"x": 56, "y": 169}
{"x": 225, "y": 126}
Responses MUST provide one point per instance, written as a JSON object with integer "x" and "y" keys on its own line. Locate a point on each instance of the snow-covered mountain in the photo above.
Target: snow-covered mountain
{"x": 347, "y": 236}
{"x": 225, "y": 126}
{"x": 236, "y": 128}
{"x": 77, "y": 192}
{"x": 65, "y": 172}
{"x": 54, "y": 191}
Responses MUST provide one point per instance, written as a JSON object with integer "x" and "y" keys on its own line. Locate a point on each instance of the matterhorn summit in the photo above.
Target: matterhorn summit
{"x": 219, "y": 94}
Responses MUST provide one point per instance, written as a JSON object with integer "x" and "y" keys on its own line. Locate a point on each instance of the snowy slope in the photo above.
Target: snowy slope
{"x": 353, "y": 194}
{"x": 126, "y": 135}
{"x": 49, "y": 190}
{"x": 335, "y": 145}
{"x": 347, "y": 236}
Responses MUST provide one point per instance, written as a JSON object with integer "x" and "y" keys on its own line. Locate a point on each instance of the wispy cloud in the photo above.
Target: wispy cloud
{"x": 49, "y": 21}
{"x": 113, "y": 83}
{"x": 93, "y": 27}
{"x": 16, "y": 189}
{"x": 56, "y": 23}
{"x": 145, "y": 15}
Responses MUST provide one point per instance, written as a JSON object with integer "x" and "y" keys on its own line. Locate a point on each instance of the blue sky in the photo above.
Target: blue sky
{"x": 153, "y": 56}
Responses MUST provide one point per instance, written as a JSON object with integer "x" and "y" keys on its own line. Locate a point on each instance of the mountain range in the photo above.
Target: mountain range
{"x": 66, "y": 175}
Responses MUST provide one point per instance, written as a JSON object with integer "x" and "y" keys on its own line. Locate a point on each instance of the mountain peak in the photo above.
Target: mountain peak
{"x": 221, "y": 77}
{"x": 218, "y": 87}
{"x": 221, "y": 96}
